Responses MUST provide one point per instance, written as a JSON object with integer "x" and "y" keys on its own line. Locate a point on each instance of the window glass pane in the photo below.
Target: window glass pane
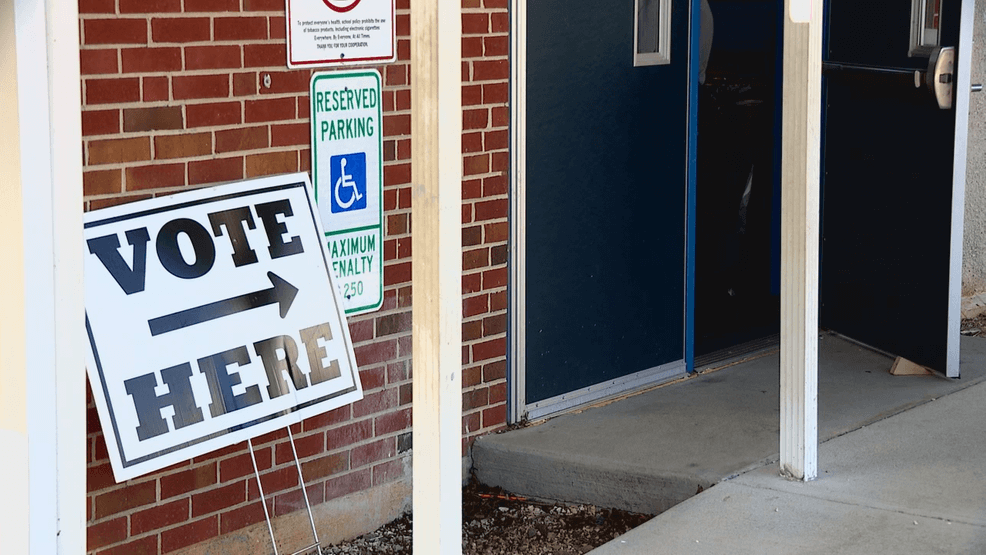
{"x": 648, "y": 26}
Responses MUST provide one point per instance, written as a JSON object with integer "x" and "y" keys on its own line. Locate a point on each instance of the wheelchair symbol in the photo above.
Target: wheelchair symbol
{"x": 346, "y": 180}
{"x": 347, "y": 175}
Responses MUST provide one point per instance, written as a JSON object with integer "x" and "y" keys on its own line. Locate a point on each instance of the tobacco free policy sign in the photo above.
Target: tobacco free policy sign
{"x": 338, "y": 32}
{"x": 347, "y": 168}
{"x": 211, "y": 318}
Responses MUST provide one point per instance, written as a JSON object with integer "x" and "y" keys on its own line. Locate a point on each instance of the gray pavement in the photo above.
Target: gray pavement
{"x": 914, "y": 482}
{"x": 652, "y": 451}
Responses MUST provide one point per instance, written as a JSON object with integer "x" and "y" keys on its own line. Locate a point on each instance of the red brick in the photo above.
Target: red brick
{"x": 375, "y": 353}
{"x": 490, "y": 70}
{"x": 348, "y": 435}
{"x": 93, "y": 62}
{"x": 290, "y": 134}
{"x": 287, "y": 81}
{"x": 500, "y": 22}
{"x": 264, "y": 55}
{"x": 489, "y": 349}
{"x": 473, "y": 165}
{"x": 306, "y": 446}
{"x": 472, "y": 283}
{"x": 212, "y": 5}
{"x": 277, "y": 27}
{"x": 496, "y": 93}
{"x": 375, "y": 403}
{"x": 192, "y": 533}
{"x": 158, "y": 176}
{"x": 393, "y": 422}
{"x": 200, "y": 86}
{"x": 101, "y": 183}
{"x": 495, "y": 371}
{"x": 396, "y": 125}
{"x": 471, "y": 306}
{"x": 100, "y": 122}
{"x": 498, "y": 301}
{"x": 143, "y": 546}
{"x": 218, "y": 499}
{"x": 152, "y": 118}
{"x": 187, "y": 145}
{"x": 180, "y": 29}
{"x": 115, "y": 31}
{"x": 101, "y": 476}
{"x": 472, "y": 188}
{"x": 156, "y": 88}
{"x": 396, "y": 175}
{"x": 349, "y": 483}
{"x": 244, "y": 84}
{"x": 475, "y": 258}
{"x": 403, "y": 25}
{"x": 158, "y": 517}
{"x": 373, "y": 378}
{"x": 387, "y": 472}
{"x": 274, "y": 481}
{"x": 269, "y": 109}
{"x": 475, "y": 23}
{"x": 335, "y": 416}
{"x": 240, "y": 28}
{"x": 495, "y": 278}
{"x": 248, "y": 138}
{"x": 212, "y": 57}
{"x": 125, "y": 498}
{"x": 328, "y": 465}
{"x": 475, "y": 398}
{"x": 242, "y": 465}
{"x": 218, "y": 170}
{"x": 97, "y": 6}
{"x": 500, "y": 116}
{"x": 242, "y": 517}
{"x": 471, "y": 422}
{"x": 361, "y": 330}
{"x": 472, "y": 47}
{"x": 495, "y": 416}
{"x": 495, "y": 185}
{"x": 106, "y": 91}
{"x": 501, "y": 161}
{"x": 494, "y": 325}
{"x": 114, "y": 151}
{"x": 271, "y": 163}
{"x": 471, "y": 142}
{"x": 496, "y": 46}
{"x": 189, "y": 480}
{"x": 149, "y": 6}
{"x": 496, "y": 140}
{"x": 492, "y": 209}
{"x": 396, "y": 273}
{"x": 106, "y": 533}
{"x": 263, "y": 5}
{"x": 219, "y": 113}
{"x": 373, "y": 452}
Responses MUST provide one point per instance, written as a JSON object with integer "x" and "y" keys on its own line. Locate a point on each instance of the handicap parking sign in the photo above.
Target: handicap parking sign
{"x": 347, "y": 174}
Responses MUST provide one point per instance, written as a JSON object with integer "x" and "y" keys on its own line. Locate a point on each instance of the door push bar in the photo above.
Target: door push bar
{"x": 939, "y": 79}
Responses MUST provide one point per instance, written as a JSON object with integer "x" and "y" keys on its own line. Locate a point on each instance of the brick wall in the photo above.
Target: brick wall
{"x": 174, "y": 97}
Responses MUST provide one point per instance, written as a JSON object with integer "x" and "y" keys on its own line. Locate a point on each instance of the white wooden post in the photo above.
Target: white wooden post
{"x": 436, "y": 174}
{"x": 800, "y": 169}
{"x": 42, "y": 369}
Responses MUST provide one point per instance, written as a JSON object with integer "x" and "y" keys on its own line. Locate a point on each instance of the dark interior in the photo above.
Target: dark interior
{"x": 737, "y": 264}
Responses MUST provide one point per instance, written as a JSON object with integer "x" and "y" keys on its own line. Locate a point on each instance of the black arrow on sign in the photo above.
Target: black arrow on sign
{"x": 283, "y": 293}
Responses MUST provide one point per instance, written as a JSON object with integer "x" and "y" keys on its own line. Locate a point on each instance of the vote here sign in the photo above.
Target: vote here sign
{"x": 211, "y": 318}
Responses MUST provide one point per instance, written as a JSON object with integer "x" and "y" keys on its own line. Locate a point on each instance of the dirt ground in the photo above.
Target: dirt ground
{"x": 497, "y": 523}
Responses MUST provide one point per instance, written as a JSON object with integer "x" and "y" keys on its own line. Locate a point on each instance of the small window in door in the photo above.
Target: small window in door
{"x": 652, "y": 32}
{"x": 925, "y": 27}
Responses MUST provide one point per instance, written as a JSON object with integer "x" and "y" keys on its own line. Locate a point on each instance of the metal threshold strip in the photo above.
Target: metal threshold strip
{"x": 736, "y": 351}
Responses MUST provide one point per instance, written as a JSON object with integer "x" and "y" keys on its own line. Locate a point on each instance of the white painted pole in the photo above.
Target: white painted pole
{"x": 42, "y": 414}
{"x": 436, "y": 174}
{"x": 800, "y": 167}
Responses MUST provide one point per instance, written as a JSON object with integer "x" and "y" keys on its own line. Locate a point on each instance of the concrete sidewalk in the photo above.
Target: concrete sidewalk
{"x": 914, "y": 482}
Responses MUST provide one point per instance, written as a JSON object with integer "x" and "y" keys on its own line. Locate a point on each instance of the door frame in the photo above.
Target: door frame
{"x": 517, "y": 407}
{"x": 963, "y": 88}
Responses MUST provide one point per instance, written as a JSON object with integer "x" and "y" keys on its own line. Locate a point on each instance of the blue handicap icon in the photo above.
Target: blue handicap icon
{"x": 347, "y": 174}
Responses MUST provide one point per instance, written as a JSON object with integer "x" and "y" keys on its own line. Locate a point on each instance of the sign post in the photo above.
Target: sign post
{"x": 211, "y": 318}
{"x": 340, "y": 32}
{"x": 347, "y": 168}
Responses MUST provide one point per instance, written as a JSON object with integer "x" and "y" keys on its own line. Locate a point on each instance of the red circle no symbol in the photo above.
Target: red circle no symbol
{"x": 341, "y": 6}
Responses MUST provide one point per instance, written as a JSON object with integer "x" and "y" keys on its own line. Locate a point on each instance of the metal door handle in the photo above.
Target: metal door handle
{"x": 977, "y": 87}
{"x": 941, "y": 76}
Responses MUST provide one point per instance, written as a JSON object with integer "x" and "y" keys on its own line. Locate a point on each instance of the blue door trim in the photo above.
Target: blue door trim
{"x": 694, "y": 24}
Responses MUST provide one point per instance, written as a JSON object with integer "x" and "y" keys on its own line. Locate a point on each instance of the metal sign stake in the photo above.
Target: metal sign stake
{"x": 263, "y": 500}
{"x": 304, "y": 493}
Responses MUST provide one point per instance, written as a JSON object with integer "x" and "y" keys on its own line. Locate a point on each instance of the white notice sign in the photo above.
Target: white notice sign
{"x": 337, "y": 32}
{"x": 211, "y": 318}
{"x": 347, "y": 168}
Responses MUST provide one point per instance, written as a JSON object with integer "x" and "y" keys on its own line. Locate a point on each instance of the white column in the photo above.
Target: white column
{"x": 436, "y": 174}
{"x": 42, "y": 372}
{"x": 800, "y": 169}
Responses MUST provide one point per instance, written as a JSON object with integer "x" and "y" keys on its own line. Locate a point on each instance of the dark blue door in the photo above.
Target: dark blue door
{"x": 887, "y": 274}
{"x": 606, "y": 197}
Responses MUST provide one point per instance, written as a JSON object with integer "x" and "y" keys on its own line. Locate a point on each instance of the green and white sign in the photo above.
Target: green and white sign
{"x": 347, "y": 170}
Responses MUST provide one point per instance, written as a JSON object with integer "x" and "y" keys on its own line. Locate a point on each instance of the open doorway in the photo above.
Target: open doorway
{"x": 737, "y": 264}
